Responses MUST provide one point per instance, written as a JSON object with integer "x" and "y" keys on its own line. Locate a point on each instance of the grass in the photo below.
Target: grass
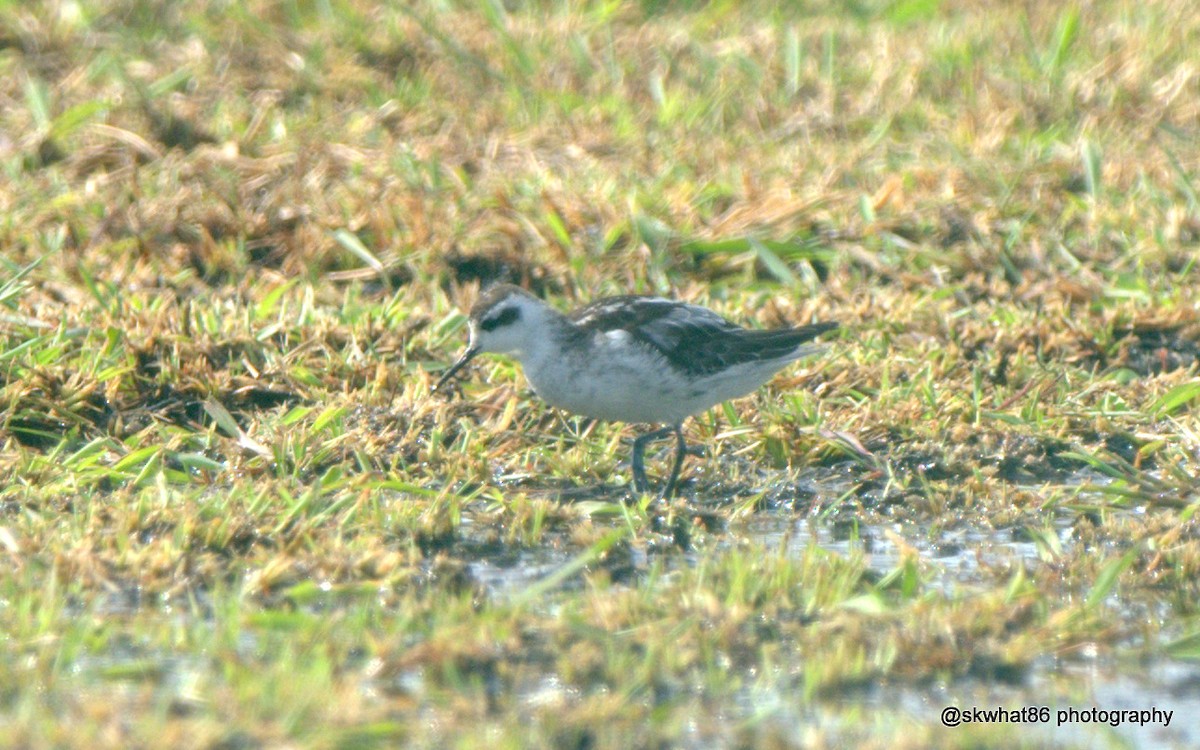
{"x": 238, "y": 241}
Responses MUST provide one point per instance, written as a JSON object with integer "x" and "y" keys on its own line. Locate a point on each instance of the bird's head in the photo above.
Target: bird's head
{"x": 505, "y": 320}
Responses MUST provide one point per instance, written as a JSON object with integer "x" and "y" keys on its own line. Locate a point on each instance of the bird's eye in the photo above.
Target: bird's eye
{"x": 502, "y": 318}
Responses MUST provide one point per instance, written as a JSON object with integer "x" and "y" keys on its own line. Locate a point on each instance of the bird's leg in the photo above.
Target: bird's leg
{"x": 638, "y": 465}
{"x": 681, "y": 449}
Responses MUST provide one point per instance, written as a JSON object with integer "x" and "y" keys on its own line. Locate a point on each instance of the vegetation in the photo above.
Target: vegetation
{"x": 238, "y": 240}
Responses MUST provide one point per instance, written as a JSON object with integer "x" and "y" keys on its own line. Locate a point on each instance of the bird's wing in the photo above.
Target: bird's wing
{"x": 692, "y": 338}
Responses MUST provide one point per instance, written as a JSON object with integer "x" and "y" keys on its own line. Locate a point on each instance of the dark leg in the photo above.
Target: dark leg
{"x": 639, "y": 457}
{"x": 680, "y": 450}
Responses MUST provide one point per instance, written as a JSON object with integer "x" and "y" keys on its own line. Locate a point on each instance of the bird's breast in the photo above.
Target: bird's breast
{"x": 615, "y": 383}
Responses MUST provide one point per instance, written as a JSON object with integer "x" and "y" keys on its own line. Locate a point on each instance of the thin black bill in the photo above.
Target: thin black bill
{"x": 462, "y": 361}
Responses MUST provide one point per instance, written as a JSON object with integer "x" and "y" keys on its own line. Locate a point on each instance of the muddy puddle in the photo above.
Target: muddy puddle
{"x": 952, "y": 557}
{"x": 507, "y": 578}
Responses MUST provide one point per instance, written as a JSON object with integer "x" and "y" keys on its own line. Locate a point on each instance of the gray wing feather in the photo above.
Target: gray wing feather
{"x": 692, "y": 338}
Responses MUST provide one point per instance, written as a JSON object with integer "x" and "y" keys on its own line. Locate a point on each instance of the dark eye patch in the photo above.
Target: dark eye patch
{"x": 506, "y": 316}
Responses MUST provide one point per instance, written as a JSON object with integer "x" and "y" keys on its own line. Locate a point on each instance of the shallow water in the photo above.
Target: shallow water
{"x": 954, "y": 557}
{"x": 1166, "y": 686}
{"x": 509, "y": 578}
{"x": 951, "y": 560}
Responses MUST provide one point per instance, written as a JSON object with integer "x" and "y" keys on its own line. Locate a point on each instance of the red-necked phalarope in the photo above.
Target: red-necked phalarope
{"x": 631, "y": 359}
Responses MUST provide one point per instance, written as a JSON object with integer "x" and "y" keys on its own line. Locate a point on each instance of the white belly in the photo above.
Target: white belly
{"x": 615, "y": 381}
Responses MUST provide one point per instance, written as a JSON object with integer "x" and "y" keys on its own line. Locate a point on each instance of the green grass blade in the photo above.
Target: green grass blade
{"x": 1106, "y": 581}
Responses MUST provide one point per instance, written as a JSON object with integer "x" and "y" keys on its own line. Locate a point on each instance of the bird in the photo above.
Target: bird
{"x": 631, "y": 358}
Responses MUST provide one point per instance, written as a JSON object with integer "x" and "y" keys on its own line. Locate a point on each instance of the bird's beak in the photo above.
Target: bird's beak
{"x": 462, "y": 361}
